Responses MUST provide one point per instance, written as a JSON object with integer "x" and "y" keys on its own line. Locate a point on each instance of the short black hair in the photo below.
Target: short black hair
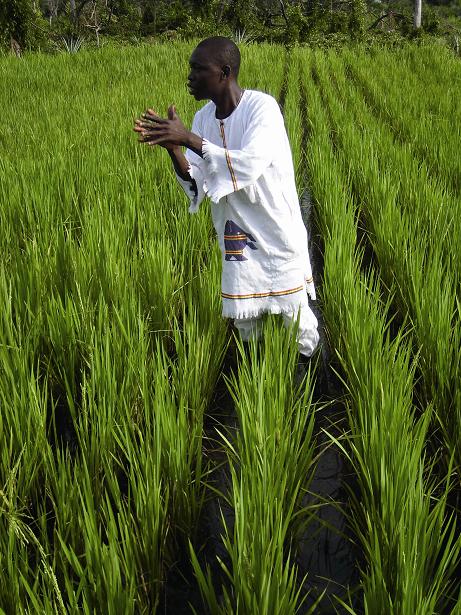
{"x": 224, "y": 51}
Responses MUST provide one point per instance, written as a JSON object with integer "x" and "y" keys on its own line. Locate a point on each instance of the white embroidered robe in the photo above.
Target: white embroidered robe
{"x": 247, "y": 171}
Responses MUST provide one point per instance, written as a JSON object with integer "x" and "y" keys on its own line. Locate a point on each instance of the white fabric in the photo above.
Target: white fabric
{"x": 307, "y": 333}
{"x": 247, "y": 171}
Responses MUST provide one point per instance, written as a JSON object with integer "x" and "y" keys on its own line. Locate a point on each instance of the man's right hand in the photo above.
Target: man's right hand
{"x": 146, "y": 126}
{"x": 170, "y": 133}
{"x": 144, "y": 123}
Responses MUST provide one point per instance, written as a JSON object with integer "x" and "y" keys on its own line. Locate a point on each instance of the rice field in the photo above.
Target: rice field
{"x": 148, "y": 462}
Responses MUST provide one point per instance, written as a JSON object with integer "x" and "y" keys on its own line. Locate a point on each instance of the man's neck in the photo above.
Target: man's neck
{"x": 228, "y": 100}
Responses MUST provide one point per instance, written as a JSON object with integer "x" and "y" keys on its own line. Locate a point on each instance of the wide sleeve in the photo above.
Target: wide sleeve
{"x": 226, "y": 171}
{"x": 197, "y": 192}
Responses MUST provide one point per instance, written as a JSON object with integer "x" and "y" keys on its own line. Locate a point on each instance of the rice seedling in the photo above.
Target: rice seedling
{"x": 424, "y": 271}
{"x": 401, "y": 574}
{"x": 271, "y": 463}
{"x": 112, "y": 329}
{"x": 111, "y": 341}
{"x": 432, "y": 130}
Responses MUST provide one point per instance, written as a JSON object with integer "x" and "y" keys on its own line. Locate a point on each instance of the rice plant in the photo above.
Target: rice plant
{"x": 271, "y": 463}
{"x": 424, "y": 271}
{"x": 387, "y": 440}
{"x": 111, "y": 340}
{"x": 427, "y": 120}
{"x": 110, "y": 298}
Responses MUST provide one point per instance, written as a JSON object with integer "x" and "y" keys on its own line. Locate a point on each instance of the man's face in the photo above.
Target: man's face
{"x": 205, "y": 77}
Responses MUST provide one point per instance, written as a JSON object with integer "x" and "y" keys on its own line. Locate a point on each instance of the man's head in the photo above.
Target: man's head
{"x": 214, "y": 65}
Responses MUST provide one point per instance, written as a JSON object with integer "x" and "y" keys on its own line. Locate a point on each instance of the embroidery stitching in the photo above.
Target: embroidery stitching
{"x": 228, "y": 159}
{"x": 276, "y": 293}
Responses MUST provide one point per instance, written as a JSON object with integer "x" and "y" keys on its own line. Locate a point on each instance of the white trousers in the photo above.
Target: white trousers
{"x": 307, "y": 334}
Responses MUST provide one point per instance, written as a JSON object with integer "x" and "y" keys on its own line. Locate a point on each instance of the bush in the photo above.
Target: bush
{"x": 19, "y": 20}
{"x": 200, "y": 27}
{"x": 430, "y": 21}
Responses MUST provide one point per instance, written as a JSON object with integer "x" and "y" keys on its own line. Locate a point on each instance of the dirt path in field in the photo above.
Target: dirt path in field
{"x": 326, "y": 554}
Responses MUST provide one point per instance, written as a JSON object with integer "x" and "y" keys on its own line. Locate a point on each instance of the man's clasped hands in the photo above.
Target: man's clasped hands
{"x": 168, "y": 132}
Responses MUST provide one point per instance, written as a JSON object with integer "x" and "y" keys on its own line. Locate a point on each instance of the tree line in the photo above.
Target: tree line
{"x": 39, "y": 23}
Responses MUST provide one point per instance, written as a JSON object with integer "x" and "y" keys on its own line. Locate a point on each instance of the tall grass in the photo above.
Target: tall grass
{"x": 425, "y": 272}
{"x": 111, "y": 342}
{"x": 271, "y": 463}
{"x": 401, "y": 573}
{"x": 111, "y": 339}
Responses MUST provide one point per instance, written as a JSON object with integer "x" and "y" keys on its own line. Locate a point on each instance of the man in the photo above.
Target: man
{"x": 239, "y": 155}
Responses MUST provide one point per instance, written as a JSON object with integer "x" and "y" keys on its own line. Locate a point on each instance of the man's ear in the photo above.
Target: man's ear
{"x": 226, "y": 70}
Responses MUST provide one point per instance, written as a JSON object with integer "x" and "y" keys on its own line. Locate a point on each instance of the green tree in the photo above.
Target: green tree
{"x": 19, "y": 20}
{"x": 357, "y": 16}
{"x": 242, "y": 15}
